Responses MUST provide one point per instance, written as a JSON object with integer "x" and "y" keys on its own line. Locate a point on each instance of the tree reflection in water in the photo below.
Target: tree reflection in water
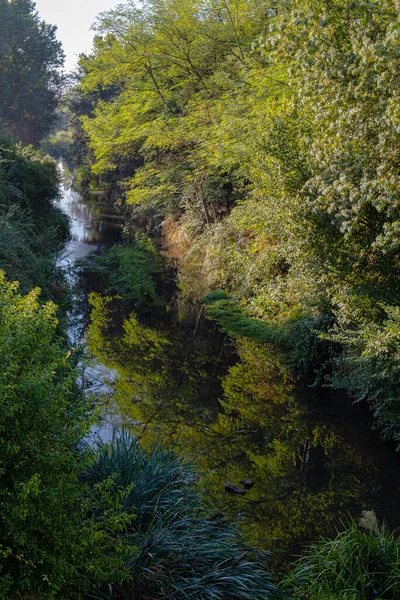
{"x": 237, "y": 404}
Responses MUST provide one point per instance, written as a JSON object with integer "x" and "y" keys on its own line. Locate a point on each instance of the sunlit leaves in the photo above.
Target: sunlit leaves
{"x": 270, "y": 131}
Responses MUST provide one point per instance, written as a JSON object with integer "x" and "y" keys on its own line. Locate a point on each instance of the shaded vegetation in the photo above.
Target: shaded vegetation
{"x": 185, "y": 548}
{"x": 129, "y": 270}
{"x": 31, "y": 59}
{"x": 33, "y": 229}
{"x": 361, "y": 563}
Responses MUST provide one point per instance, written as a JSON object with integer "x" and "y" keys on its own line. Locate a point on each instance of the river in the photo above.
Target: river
{"x": 311, "y": 455}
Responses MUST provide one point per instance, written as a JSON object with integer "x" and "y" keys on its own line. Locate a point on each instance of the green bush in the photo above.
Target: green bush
{"x": 361, "y": 563}
{"x": 32, "y": 228}
{"x": 26, "y": 179}
{"x": 42, "y": 421}
{"x": 58, "y": 538}
{"x": 28, "y": 254}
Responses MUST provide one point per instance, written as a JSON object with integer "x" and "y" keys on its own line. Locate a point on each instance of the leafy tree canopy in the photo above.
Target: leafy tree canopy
{"x": 30, "y": 76}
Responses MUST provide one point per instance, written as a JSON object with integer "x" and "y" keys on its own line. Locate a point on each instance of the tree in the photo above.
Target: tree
{"x": 30, "y": 77}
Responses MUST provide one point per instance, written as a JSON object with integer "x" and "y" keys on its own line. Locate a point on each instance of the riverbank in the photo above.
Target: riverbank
{"x": 237, "y": 405}
{"x": 230, "y": 405}
{"x": 277, "y": 174}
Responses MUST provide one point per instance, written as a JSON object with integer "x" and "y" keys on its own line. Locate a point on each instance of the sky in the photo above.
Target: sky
{"x": 73, "y": 19}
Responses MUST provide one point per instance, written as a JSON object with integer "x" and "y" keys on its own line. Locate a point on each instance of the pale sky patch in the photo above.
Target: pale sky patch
{"x": 74, "y": 19}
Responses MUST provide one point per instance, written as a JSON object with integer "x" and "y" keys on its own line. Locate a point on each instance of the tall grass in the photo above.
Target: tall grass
{"x": 185, "y": 548}
{"x": 361, "y": 563}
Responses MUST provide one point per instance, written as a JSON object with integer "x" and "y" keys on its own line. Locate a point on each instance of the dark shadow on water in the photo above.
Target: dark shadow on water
{"x": 311, "y": 455}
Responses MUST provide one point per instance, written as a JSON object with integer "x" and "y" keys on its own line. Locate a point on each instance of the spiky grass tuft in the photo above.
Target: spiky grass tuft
{"x": 361, "y": 563}
{"x": 185, "y": 549}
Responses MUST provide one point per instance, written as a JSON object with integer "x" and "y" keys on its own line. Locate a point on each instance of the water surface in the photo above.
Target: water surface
{"x": 312, "y": 456}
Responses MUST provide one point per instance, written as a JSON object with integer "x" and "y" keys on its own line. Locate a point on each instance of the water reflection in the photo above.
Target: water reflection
{"x": 94, "y": 221}
{"x": 312, "y": 458}
{"x": 312, "y": 464}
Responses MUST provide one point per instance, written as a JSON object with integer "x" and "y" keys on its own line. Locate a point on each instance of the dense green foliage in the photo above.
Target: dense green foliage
{"x": 57, "y": 536}
{"x": 269, "y": 132}
{"x": 361, "y": 563}
{"x": 30, "y": 78}
{"x": 32, "y": 227}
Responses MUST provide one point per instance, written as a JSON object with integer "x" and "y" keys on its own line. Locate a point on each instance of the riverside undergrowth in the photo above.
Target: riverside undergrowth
{"x": 33, "y": 228}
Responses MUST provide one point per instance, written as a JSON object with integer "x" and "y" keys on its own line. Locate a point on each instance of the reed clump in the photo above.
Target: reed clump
{"x": 361, "y": 563}
{"x": 184, "y": 547}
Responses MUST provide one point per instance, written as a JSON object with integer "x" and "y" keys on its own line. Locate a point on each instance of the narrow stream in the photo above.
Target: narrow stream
{"x": 94, "y": 223}
{"x": 312, "y": 457}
